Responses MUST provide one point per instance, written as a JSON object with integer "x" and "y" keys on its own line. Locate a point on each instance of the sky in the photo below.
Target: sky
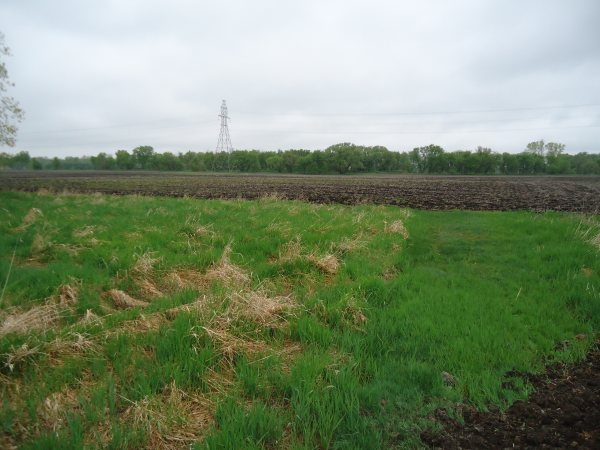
{"x": 103, "y": 76}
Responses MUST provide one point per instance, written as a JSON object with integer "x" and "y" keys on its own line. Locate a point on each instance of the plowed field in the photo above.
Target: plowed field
{"x": 497, "y": 193}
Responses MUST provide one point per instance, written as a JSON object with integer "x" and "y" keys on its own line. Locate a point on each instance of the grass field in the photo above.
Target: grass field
{"x": 135, "y": 321}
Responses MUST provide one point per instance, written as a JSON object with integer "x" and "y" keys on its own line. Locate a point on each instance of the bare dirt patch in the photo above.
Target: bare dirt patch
{"x": 564, "y": 412}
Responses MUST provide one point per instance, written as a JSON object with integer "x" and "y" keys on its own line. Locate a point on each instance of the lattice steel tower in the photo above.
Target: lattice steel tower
{"x": 224, "y": 144}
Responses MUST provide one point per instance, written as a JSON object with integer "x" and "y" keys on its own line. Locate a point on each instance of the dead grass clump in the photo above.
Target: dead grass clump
{"x": 29, "y": 219}
{"x": 351, "y": 244}
{"x": 231, "y": 345}
{"x": 283, "y": 228}
{"x": 90, "y": 318}
{"x": 38, "y": 318}
{"x": 141, "y": 325}
{"x": 72, "y": 249}
{"x": 17, "y": 355}
{"x": 328, "y": 263}
{"x": 273, "y": 197}
{"x": 144, "y": 264}
{"x": 123, "y": 301}
{"x": 172, "y": 420}
{"x": 52, "y": 411}
{"x": 396, "y": 227}
{"x": 259, "y": 307}
{"x": 67, "y": 295}
{"x": 205, "y": 230}
{"x": 40, "y": 243}
{"x": 292, "y": 250}
{"x": 226, "y": 272}
{"x": 149, "y": 289}
{"x": 79, "y": 346}
{"x": 84, "y": 231}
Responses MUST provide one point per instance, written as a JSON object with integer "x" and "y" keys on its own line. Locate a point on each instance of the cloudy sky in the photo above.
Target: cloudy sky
{"x": 108, "y": 75}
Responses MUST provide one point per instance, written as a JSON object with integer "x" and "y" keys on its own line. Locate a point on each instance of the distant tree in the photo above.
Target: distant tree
{"x": 103, "y": 162}
{"x": 246, "y": 161}
{"x": 553, "y": 149}
{"x": 55, "y": 163}
{"x": 124, "y": 160}
{"x": 36, "y": 164}
{"x": 274, "y": 163}
{"x": 143, "y": 154}
{"x": 20, "y": 161}
{"x": 536, "y": 148}
{"x": 10, "y": 113}
{"x": 416, "y": 160}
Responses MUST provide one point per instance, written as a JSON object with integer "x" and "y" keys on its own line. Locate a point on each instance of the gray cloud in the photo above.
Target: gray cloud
{"x": 123, "y": 74}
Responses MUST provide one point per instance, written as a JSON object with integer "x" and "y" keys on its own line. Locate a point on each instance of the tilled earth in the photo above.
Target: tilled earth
{"x": 492, "y": 193}
{"x": 564, "y": 412}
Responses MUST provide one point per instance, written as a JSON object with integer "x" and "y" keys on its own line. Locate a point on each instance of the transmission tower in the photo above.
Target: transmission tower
{"x": 224, "y": 144}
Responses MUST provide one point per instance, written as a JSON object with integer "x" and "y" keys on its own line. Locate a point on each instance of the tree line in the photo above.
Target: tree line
{"x": 537, "y": 158}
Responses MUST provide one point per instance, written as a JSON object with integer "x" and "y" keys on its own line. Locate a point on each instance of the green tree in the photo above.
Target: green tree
{"x": 274, "y": 163}
{"x": 10, "y": 113}
{"x": 536, "y": 148}
{"x": 36, "y": 164}
{"x": 103, "y": 162}
{"x": 143, "y": 154}
{"x": 124, "y": 160}
{"x": 55, "y": 163}
{"x": 20, "y": 161}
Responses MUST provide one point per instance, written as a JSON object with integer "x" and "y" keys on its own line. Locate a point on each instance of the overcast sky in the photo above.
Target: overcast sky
{"x": 108, "y": 75}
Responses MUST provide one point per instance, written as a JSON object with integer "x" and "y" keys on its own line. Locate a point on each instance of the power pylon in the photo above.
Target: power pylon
{"x": 224, "y": 143}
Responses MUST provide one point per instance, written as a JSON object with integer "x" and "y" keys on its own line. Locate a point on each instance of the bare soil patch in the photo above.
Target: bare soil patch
{"x": 429, "y": 192}
{"x": 564, "y": 412}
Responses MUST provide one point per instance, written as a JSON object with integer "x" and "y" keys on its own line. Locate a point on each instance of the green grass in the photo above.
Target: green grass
{"x": 354, "y": 363}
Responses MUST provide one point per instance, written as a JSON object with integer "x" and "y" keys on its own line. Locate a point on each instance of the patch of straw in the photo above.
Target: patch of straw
{"x": 29, "y": 219}
{"x": 123, "y": 301}
{"x": 273, "y": 197}
{"x": 292, "y": 250}
{"x": 145, "y": 263}
{"x": 84, "y": 231}
{"x": 38, "y": 318}
{"x": 261, "y": 308}
{"x": 67, "y": 295}
{"x": 189, "y": 417}
{"x": 328, "y": 263}
{"x": 40, "y": 243}
{"x": 150, "y": 290}
{"x": 226, "y": 272}
{"x": 351, "y": 244}
{"x": 396, "y": 227}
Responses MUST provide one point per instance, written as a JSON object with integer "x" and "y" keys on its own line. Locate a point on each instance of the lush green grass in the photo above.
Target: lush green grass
{"x": 351, "y": 359}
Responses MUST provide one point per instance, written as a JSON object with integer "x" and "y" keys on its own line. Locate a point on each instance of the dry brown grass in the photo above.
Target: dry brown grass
{"x": 189, "y": 414}
{"x": 396, "y": 227}
{"x": 40, "y": 243}
{"x": 149, "y": 289}
{"x": 352, "y": 244}
{"x": 261, "y": 308}
{"x": 291, "y": 251}
{"x": 272, "y": 197}
{"x": 329, "y": 263}
{"x": 283, "y": 228}
{"x": 84, "y": 231}
{"x": 123, "y": 301}
{"x": 226, "y": 272}
{"x": 29, "y": 219}
{"x": 144, "y": 264}
{"x": 143, "y": 324}
{"x": 38, "y": 318}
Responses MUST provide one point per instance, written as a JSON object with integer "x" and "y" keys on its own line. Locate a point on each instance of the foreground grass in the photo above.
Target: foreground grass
{"x": 134, "y": 322}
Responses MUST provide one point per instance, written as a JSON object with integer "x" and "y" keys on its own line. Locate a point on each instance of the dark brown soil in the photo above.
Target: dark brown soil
{"x": 492, "y": 193}
{"x": 564, "y": 412}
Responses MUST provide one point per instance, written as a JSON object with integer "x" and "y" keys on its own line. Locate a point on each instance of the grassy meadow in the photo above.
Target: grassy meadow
{"x": 142, "y": 322}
